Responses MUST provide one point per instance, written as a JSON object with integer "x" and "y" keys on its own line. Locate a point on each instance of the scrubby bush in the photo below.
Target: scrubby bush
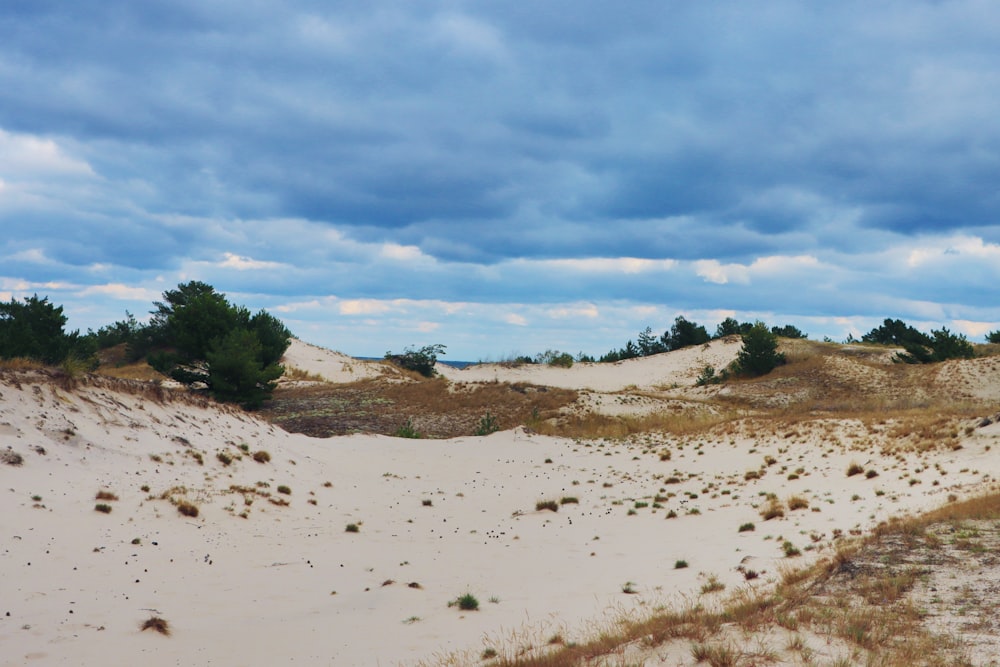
{"x": 261, "y": 456}
{"x": 547, "y": 505}
{"x": 420, "y": 361}
{"x": 555, "y": 358}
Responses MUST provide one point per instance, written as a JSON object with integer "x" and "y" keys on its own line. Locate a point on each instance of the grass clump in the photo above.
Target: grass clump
{"x": 103, "y": 508}
{"x": 156, "y": 623}
{"x": 569, "y": 500}
{"x": 224, "y": 458}
{"x": 467, "y": 602}
{"x": 187, "y": 508}
{"x": 772, "y": 510}
{"x": 680, "y": 565}
{"x": 797, "y": 503}
{"x": 550, "y": 505}
{"x": 352, "y": 528}
{"x": 408, "y": 430}
{"x": 487, "y": 424}
{"x": 105, "y": 495}
{"x": 854, "y": 468}
{"x": 747, "y": 527}
{"x": 11, "y": 458}
{"x": 282, "y": 488}
{"x": 262, "y": 456}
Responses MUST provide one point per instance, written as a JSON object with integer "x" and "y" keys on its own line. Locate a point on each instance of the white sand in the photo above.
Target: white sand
{"x": 260, "y": 590}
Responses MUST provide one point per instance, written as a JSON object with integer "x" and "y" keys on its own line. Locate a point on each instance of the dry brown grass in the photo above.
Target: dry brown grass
{"x": 863, "y": 608}
{"x": 593, "y": 426}
{"x": 156, "y": 623}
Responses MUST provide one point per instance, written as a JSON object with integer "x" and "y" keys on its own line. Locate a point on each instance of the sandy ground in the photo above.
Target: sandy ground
{"x": 250, "y": 582}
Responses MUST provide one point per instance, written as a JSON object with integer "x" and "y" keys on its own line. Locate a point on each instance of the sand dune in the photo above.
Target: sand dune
{"x": 260, "y": 576}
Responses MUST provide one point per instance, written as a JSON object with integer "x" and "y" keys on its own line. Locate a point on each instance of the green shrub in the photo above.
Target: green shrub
{"x": 407, "y": 430}
{"x": 224, "y": 458}
{"x": 747, "y": 526}
{"x": 487, "y": 424}
{"x": 467, "y": 602}
{"x": 555, "y": 358}
{"x": 261, "y": 456}
{"x": 284, "y": 489}
{"x": 103, "y": 508}
{"x": 352, "y": 528}
{"x": 680, "y": 565}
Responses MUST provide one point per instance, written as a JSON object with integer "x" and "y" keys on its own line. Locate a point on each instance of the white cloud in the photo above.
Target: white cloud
{"x": 625, "y": 265}
{"x": 122, "y": 292}
{"x": 587, "y": 310}
{"x": 714, "y": 271}
{"x": 233, "y": 261}
{"x": 403, "y": 253}
{"x": 364, "y": 307}
{"x": 25, "y": 154}
{"x": 515, "y": 319}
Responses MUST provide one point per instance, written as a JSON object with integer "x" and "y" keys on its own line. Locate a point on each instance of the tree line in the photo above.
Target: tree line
{"x": 684, "y": 333}
{"x": 195, "y": 336}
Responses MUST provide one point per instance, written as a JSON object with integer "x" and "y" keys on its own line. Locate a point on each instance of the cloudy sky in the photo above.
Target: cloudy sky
{"x": 504, "y": 176}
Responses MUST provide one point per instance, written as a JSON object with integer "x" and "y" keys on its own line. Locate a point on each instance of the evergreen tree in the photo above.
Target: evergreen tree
{"x": 685, "y": 334}
{"x": 759, "y": 354}
{"x": 941, "y": 345}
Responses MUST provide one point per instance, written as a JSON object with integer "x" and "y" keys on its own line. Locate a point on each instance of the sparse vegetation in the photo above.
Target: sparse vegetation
{"x": 104, "y": 508}
{"x": 352, "y": 528}
{"x": 550, "y": 505}
{"x": 262, "y": 456}
{"x": 285, "y": 489}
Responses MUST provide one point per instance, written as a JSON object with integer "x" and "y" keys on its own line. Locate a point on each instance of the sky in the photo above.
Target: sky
{"x": 506, "y": 177}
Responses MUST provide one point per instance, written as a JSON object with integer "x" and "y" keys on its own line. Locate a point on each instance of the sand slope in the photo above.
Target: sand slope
{"x": 287, "y": 584}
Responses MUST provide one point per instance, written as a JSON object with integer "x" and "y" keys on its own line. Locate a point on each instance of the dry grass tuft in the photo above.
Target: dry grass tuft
{"x": 106, "y": 495}
{"x": 156, "y": 623}
{"x": 187, "y": 508}
{"x": 10, "y": 457}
